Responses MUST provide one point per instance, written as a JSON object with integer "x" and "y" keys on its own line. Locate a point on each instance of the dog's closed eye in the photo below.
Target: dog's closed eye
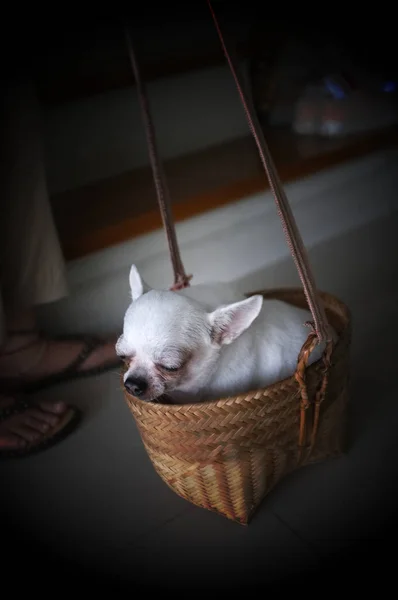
{"x": 168, "y": 369}
{"x": 173, "y": 360}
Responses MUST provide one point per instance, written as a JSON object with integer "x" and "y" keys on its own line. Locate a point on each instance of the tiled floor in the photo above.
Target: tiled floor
{"x": 95, "y": 499}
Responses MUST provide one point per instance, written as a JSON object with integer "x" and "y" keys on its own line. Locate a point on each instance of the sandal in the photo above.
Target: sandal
{"x": 69, "y": 373}
{"x": 67, "y": 423}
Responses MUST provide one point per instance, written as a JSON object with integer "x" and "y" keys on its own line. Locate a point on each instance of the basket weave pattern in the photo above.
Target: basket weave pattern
{"x": 228, "y": 454}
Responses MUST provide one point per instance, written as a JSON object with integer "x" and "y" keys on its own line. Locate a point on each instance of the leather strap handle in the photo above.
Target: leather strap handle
{"x": 292, "y": 234}
{"x": 181, "y": 279}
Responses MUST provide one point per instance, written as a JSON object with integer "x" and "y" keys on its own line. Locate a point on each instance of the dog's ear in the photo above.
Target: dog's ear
{"x": 228, "y": 322}
{"x": 137, "y": 285}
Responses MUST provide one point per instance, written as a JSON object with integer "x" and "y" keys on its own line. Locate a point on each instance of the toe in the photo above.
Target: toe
{"x": 30, "y": 426}
{"x": 37, "y": 424}
{"x": 25, "y": 432}
{"x": 10, "y": 441}
{"x": 44, "y": 417}
{"x": 56, "y": 408}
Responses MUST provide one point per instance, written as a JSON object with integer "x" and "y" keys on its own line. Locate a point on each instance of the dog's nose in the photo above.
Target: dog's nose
{"x": 136, "y": 386}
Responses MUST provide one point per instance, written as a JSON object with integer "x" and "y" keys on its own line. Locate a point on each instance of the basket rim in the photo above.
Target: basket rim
{"x": 288, "y": 381}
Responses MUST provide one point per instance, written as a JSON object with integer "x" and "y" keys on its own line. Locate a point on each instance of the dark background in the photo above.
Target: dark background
{"x": 58, "y": 51}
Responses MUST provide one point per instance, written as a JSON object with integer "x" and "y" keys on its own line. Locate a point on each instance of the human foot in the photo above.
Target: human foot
{"x": 28, "y": 428}
{"x": 29, "y": 361}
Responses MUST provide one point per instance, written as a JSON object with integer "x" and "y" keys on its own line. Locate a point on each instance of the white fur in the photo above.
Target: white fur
{"x": 233, "y": 344}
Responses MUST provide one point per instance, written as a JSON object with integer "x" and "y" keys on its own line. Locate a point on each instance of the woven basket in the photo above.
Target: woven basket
{"x": 228, "y": 454}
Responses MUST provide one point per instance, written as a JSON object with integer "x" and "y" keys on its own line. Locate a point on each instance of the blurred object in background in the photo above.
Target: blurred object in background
{"x": 336, "y": 106}
{"x": 324, "y": 83}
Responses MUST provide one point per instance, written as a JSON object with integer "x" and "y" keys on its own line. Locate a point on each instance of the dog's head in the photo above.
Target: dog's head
{"x": 170, "y": 342}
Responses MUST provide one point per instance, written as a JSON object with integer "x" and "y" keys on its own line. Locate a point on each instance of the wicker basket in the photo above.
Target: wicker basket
{"x": 226, "y": 455}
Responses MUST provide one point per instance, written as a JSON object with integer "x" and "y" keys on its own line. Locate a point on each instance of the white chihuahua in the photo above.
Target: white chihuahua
{"x": 207, "y": 342}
